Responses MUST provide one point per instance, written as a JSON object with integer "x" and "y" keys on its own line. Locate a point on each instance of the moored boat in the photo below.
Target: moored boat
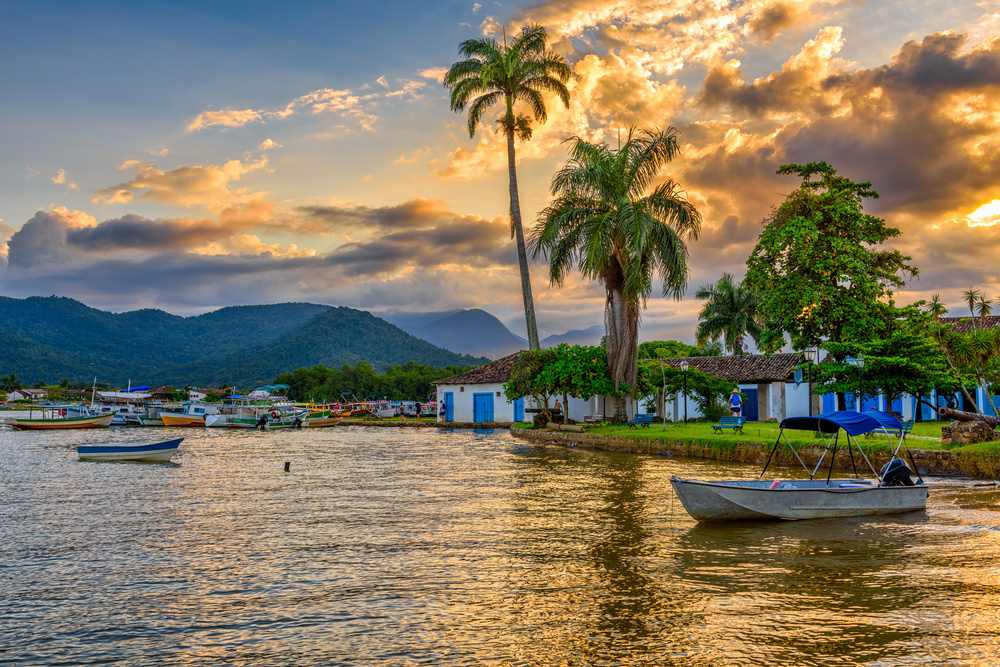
{"x": 157, "y": 451}
{"x": 892, "y": 491}
{"x": 60, "y": 418}
{"x": 192, "y": 415}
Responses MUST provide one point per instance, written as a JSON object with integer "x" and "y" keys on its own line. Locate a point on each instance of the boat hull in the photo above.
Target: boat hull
{"x": 186, "y": 421}
{"x": 100, "y": 421}
{"x": 794, "y": 499}
{"x": 156, "y": 452}
{"x": 150, "y": 421}
{"x": 321, "y": 422}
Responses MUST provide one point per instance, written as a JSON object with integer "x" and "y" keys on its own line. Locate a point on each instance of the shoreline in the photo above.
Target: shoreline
{"x": 933, "y": 462}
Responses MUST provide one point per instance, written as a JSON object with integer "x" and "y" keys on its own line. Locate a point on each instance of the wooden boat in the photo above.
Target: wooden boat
{"x": 56, "y": 422}
{"x": 150, "y": 421}
{"x": 192, "y": 415}
{"x": 320, "y": 421}
{"x": 890, "y": 492}
{"x": 157, "y": 451}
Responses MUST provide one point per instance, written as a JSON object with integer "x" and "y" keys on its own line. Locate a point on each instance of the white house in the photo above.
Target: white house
{"x": 27, "y": 395}
{"x": 477, "y": 397}
{"x": 770, "y": 386}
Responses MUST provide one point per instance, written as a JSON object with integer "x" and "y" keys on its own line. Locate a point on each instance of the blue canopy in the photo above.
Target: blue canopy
{"x": 855, "y": 423}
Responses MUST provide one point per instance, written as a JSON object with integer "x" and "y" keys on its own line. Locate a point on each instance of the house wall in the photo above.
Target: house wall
{"x": 503, "y": 410}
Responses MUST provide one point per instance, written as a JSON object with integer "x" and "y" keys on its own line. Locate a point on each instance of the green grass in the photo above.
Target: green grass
{"x": 926, "y": 435}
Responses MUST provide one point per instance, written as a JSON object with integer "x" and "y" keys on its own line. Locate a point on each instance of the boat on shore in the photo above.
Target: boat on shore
{"x": 154, "y": 452}
{"x": 892, "y": 491}
{"x": 191, "y": 415}
{"x": 59, "y": 417}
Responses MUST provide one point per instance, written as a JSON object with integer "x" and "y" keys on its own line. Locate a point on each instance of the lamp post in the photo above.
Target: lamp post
{"x": 684, "y": 370}
{"x": 663, "y": 394}
{"x": 811, "y": 355}
{"x": 859, "y": 363}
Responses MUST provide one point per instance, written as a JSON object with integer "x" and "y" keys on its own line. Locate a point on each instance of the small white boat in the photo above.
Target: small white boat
{"x": 157, "y": 451}
{"x": 891, "y": 492}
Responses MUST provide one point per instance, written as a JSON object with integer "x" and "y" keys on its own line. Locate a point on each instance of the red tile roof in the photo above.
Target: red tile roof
{"x": 496, "y": 372}
{"x": 965, "y": 323}
{"x": 746, "y": 368}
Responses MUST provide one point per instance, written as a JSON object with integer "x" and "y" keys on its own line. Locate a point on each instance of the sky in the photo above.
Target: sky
{"x": 188, "y": 155}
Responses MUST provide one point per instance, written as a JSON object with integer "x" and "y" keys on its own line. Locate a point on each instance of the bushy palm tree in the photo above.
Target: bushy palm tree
{"x": 729, "y": 314}
{"x": 936, "y": 308}
{"x": 610, "y": 221}
{"x": 515, "y": 74}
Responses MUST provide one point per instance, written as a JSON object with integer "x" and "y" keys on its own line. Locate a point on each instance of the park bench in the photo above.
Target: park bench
{"x": 735, "y": 423}
{"x": 640, "y": 420}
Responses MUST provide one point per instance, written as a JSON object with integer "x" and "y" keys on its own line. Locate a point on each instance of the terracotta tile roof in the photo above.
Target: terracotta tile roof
{"x": 495, "y": 372}
{"x": 746, "y": 368}
{"x": 965, "y": 323}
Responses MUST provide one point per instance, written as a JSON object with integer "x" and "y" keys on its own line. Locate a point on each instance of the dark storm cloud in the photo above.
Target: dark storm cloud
{"x": 137, "y": 232}
{"x": 414, "y": 214}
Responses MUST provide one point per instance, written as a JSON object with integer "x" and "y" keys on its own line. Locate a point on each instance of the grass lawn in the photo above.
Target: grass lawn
{"x": 925, "y": 435}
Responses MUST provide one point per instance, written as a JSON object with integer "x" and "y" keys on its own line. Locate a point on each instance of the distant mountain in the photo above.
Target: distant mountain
{"x": 45, "y": 339}
{"x": 471, "y": 331}
{"x": 589, "y": 336}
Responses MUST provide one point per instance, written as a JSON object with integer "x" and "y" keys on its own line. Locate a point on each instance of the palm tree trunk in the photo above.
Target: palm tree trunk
{"x": 621, "y": 319}
{"x": 522, "y": 254}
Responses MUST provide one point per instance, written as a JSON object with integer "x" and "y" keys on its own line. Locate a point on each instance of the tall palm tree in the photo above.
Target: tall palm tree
{"x": 984, "y": 307}
{"x": 729, "y": 314}
{"x": 936, "y": 308}
{"x": 608, "y": 220}
{"x": 513, "y": 74}
{"x": 972, "y": 297}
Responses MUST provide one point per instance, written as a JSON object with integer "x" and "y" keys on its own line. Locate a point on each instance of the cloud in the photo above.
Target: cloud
{"x": 414, "y": 156}
{"x": 268, "y": 144}
{"x": 476, "y": 6}
{"x": 771, "y": 18}
{"x": 356, "y": 106}
{"x": 158, "y": 152}
{"x": 208, "y": 185}
{"x": 60, "y": 178}
{"x": 490, "y": 27}
{"x": 434, "y": 73}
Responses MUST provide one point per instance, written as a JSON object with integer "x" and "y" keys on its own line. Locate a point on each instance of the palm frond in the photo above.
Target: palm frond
{"x": 479, "y": 106}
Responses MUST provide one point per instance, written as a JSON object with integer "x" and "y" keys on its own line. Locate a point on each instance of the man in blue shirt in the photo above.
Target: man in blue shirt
{"x": 735, "y": 402}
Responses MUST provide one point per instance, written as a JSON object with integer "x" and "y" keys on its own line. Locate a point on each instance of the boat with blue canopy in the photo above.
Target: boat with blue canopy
{"x": 890, "y": 490}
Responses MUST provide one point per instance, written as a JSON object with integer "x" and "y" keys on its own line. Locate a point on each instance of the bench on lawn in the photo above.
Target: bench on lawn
{"x": 898, "y": 432}
{"x": 640, "y": 420}
{"x": 735, "y": 423}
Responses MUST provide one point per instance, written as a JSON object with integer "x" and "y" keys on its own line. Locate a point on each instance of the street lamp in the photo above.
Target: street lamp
{"x": 663, "y": 394}
{"x": 811, "y": 354}
{"x": 684, "y": 370}
{"x": 859, "y": 363}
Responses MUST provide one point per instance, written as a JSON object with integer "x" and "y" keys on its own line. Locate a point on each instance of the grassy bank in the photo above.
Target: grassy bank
{"x": 697, "y": 440}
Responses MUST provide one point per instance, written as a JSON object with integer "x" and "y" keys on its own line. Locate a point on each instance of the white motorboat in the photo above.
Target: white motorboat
{"x": 892, "y": 491}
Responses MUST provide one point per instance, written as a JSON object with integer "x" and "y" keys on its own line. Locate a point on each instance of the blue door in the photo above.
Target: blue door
{"x": 482, "y": 408}
{"x": 869, "y": 402}
{"x": 449, "y": 406}
{"x": 519, "y": 409}
{"x": 829, "y": 403}
{"x": 750, "y": 404}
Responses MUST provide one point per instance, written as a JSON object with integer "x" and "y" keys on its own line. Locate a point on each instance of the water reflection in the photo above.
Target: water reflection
{"x": 407, "y": 546}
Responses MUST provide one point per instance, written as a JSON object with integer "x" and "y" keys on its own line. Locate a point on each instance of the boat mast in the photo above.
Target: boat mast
{"x": 93, "y": 391}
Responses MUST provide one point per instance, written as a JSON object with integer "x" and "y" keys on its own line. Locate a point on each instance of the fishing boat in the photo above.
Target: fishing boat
{"x": 59, "y": 417}
{"x": 157, "y": 451}
{"x": 263, "y": 414}
{"x": 891, "y": 491}
{"x": 191, "y": 415}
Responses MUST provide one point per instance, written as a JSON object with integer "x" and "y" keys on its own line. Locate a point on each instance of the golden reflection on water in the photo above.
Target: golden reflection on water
{"x": 407, "y": 546}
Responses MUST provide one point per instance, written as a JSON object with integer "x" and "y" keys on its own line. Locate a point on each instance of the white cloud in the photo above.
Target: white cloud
{"x": 60, "y": 178}
{"x": 476, "y": 6}
{"x": 490, "y": 27}
{"x": 382, "y": 81}
{"x": 268, "y": 144}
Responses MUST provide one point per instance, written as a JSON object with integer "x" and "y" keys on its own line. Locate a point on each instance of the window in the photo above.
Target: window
{"x": 461, "y": 388}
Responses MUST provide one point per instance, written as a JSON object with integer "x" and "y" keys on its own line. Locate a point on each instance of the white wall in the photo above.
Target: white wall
{"x": 503, "y": 410}
{"x": 796, "y": 399}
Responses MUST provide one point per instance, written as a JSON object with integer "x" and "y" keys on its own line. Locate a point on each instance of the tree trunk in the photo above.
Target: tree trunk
{"x": 962, "y": 416}
{"x": 621, "y": 319}
{"x": 522, "y": 254}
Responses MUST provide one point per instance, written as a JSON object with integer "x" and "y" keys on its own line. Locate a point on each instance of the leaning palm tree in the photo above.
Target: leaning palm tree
{"x": 513, "y": 74}
{"x": 610, "y": 221}
{"x": 729, "y": 314}
{"x": 984, "y": 307}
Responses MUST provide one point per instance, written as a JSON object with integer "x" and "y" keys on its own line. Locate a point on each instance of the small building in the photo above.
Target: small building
{"x": 477, "y": 397}
{"x": 770, "y": 386}
{"x": 27, "y": 395}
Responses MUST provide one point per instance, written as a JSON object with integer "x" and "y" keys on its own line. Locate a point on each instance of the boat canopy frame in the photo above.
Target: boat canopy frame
{"x": 852, "y": 423}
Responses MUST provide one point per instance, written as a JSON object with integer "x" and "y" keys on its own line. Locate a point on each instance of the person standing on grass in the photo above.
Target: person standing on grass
{"x": 735, "y": 402}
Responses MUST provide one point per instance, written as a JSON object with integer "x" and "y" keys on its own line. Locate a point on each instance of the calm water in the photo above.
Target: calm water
{"x": 412, "y": 546}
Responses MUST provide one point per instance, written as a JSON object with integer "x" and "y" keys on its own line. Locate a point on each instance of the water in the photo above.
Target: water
{"x": 405, "y": 546}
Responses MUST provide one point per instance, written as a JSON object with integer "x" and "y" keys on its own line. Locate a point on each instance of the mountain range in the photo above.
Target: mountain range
{"x": 477, "y": 332}
{"x": 49, "y": 338}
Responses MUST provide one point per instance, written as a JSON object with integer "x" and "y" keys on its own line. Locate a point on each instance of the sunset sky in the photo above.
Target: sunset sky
{"x": 188, "y": 157}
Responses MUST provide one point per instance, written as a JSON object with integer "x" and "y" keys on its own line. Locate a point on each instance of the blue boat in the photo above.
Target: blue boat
{"x": 157, "y": 451}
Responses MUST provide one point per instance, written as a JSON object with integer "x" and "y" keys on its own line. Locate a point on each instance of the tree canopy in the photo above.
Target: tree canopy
{"x": 729, "y": 314}
{"x": 410, "y": 381}
{"x": 819, "y": 269}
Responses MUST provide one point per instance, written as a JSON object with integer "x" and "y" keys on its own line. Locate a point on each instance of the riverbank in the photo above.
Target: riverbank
{"x": 980, "y": 461}
{"x": 416, "y": 422}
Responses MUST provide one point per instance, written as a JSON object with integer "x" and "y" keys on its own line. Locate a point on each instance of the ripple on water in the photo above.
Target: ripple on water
{"x": 414, "y": 546}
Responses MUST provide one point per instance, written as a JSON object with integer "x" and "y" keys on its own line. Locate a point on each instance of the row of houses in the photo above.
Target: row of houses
{"x": 772, "y": 387}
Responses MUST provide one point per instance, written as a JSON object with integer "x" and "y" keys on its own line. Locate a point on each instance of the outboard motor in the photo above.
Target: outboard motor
{"x": 896, "y": 473}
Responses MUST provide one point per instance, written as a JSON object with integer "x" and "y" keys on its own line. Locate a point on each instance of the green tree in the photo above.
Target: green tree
{"x": 527, "y": 378}
{"x": 610, "y": 221}
{"x": 819, "y": 269}
{"x": 656, "y": 376}
{"x": 515, "y": 74}
{"x": 907, "y": 359}
{"x": 672, "y": 349}
{"x": 729, "y": 314}
{"x": 10, "y": 382}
